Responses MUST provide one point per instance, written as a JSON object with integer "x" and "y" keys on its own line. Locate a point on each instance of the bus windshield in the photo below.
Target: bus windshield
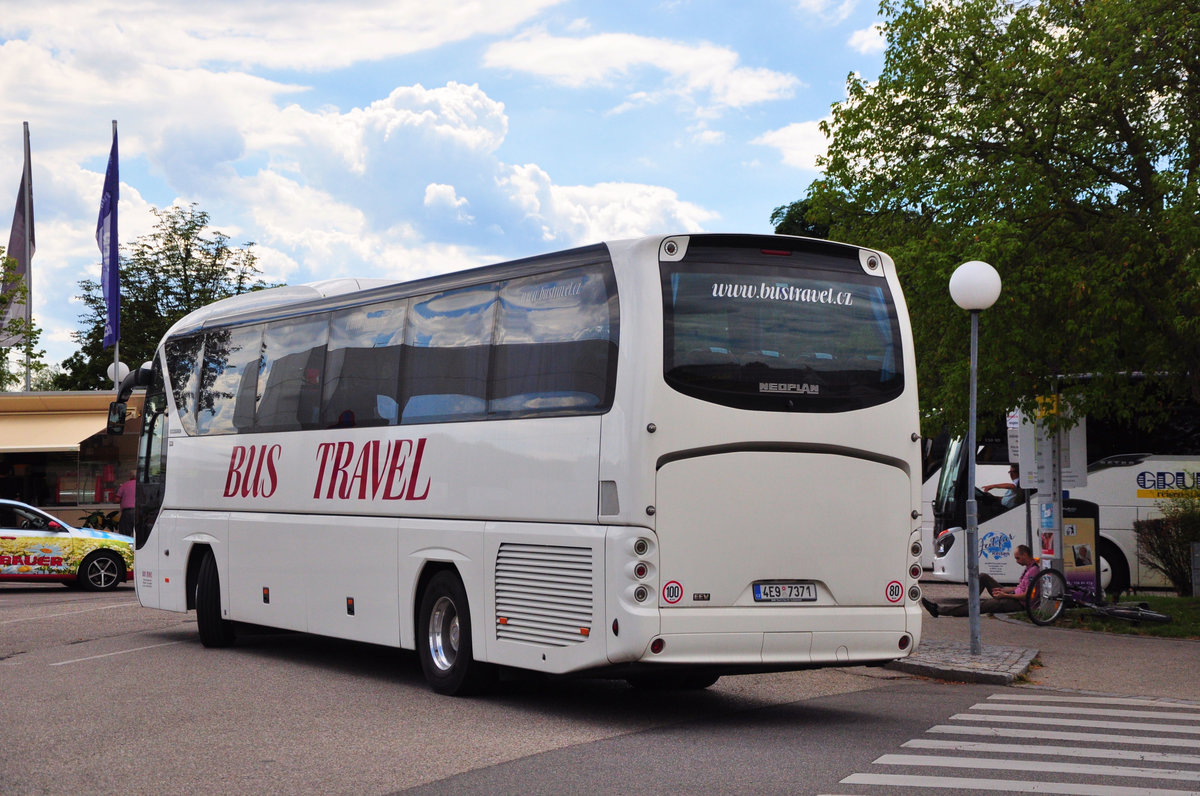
{"x": 946, "y": 499}
{"x": 809, "y": 332}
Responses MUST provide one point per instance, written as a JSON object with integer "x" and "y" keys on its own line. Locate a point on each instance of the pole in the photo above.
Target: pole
{"x": 116, "y": 343}
{"x": 28, "y": 262}
{"x": 972, "y": 551}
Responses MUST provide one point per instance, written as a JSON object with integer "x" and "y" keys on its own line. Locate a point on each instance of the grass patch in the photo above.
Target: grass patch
{"x": 1184, "y": 613}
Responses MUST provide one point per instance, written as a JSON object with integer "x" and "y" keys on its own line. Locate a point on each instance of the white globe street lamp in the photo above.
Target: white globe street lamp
{"x": 117, "y": 371}
{"x": 974, "y": 286}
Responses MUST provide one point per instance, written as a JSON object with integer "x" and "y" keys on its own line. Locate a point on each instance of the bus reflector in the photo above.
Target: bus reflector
{"x": 777, "y": 252}
{"x": 904, "y": 640}
{"x": 657, "y": 645}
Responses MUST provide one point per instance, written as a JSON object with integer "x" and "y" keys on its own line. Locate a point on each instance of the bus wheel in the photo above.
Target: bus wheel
{"x": 444, "y": 640}
{"x": 101, "y": 572}
{"x": 214, "y": 631}
{"x": 1113, "y": 568}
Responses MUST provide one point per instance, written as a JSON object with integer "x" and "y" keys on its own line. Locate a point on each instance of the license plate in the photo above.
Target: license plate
{"x": 794, "y": 592}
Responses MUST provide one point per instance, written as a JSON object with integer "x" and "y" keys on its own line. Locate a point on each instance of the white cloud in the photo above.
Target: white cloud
{"x": 705, "y": 73}
{"x": 440, "y": 196}
{"x": 868, "y": 41}
{"x": 589, "y": 213}
{"x": 275, "y": 34}
{"x": 826, "y": 10}
{"x": 799, "y": 144}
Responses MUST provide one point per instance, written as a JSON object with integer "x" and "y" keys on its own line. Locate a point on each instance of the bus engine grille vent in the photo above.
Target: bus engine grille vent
{"x": 543, "y": 594}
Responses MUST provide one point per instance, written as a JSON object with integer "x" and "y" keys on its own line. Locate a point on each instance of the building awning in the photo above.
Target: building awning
{"x": 48, "y": 432}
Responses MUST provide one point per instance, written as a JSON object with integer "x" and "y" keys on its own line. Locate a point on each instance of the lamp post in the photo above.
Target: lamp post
{"x": 974, "y": 286}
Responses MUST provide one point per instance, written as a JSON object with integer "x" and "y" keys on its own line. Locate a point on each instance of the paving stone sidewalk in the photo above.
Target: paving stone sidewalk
{"x": 948, "y": 660}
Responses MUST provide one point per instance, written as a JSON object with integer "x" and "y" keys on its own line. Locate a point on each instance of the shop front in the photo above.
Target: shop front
{"x": 56, "y": 455}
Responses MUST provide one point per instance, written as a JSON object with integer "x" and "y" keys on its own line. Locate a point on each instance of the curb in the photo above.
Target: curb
{"x": 954, "y": 662}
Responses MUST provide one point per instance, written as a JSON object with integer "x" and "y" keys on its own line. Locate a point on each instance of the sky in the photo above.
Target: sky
{"x": 407, "y": 138}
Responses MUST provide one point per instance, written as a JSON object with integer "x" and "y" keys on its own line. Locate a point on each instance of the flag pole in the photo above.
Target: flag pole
{"x": 117, "y": 343}
{"x": 28, "y": 177}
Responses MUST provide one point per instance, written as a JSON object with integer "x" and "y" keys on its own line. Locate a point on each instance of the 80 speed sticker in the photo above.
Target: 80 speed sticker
{"x": 894, "y": 591}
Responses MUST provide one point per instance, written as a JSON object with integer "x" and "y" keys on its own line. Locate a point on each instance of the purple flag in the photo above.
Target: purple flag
{"x": 106, "y": 239}
{"x": 20, "y": 248}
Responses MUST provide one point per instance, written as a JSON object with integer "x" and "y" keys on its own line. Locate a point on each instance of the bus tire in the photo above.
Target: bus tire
{"x": 214, "y": 630}
{"x": 101, "y": 571}
{"x": 444, "y": 640}
{"x": 1118, "y": 580}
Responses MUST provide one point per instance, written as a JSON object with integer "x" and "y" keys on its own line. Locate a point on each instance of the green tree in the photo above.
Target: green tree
{"x": 793, "y": 219}
{"x": 179, "y": 267}
{"x": 12, "y": 359}
{"x": 1059, "y": 141}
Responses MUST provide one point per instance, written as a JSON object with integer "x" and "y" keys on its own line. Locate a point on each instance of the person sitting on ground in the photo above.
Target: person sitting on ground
{"x": 1003, "y": 600}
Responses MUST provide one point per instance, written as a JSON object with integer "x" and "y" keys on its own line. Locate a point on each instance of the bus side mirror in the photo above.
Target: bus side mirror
{"x": 116, "y": 417}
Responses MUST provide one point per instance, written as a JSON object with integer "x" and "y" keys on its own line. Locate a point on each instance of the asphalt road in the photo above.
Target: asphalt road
{"x": 102, "y": 696}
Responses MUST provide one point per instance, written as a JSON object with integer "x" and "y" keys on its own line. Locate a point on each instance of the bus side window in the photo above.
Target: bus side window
{"x": 228, "y": 379}
{"x": 447, "y": 343}
{"x": 293, "y": 359}
{"x": 183, "y": 365}
{"x": 362, "y": 365}
{"x": 555, "y": 346}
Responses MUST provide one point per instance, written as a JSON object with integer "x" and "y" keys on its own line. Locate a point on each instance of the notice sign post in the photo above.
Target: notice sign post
{"x": 1051, "y": 460}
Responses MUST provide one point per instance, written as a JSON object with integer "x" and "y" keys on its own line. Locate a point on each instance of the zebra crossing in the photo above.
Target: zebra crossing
{"x": 1034, "y": 742}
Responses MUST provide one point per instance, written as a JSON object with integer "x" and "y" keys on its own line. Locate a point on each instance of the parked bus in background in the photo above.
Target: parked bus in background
{"x": 644, "y": 459}
{"x": 1129, "y": 471}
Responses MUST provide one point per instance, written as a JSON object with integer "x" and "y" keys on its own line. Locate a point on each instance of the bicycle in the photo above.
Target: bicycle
{"x": 1049, "y": 595}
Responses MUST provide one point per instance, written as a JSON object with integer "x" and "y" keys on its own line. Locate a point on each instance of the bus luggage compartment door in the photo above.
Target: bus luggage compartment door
{"x": 826, "y": 529}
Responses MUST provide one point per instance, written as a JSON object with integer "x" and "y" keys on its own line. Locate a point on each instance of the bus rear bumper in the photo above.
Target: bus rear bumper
{"x": 835, "y": 637}
{"x": 783, "y": 650}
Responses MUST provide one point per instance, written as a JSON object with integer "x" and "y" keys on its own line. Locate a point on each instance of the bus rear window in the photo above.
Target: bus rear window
{"x": 810, "y": 332}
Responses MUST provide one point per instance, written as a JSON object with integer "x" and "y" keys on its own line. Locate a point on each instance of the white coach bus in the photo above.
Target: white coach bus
{"x": 1130, "y": 471}
{"x": 664, "y": 459}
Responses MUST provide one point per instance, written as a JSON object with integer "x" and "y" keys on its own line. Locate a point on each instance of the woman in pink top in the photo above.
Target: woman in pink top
{"x": 127, "y": 495}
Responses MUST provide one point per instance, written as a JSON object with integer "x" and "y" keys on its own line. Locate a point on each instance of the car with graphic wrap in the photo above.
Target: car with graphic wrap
{"x": 35, "y": 546}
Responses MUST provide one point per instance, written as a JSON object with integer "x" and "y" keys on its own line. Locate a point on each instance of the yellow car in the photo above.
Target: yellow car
{"x": 35, "y": 546}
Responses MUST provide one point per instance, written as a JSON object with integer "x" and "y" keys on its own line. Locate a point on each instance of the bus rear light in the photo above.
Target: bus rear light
{"x": 657, "y": 646}
{"x": 641, "y": 547}
{"x": 916, "y": 549}
{"x": 641, "y": 593}
{"x": 502, "y": 620}
{"x": 914, "y": 571}
{"x": 914, "y": 593}
{"x": 585, "y": 631}
{"x": 640, "y": 570}
{"x": 776, "y": 252}
{"x": 905, "y": 640}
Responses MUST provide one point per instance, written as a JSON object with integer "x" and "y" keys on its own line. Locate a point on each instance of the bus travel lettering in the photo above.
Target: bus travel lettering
{"x": 247, "y": 476}
{"x": 375, "y": 470}
{"x": 779, "y": 292}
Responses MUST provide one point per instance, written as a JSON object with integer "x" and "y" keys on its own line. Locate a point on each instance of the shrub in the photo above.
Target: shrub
{"x": 1165, "y": 544}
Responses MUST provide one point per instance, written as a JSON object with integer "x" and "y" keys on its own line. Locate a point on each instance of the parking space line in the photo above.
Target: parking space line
{"x": 118, "y": 652}
{"x": 133, "y": 604}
